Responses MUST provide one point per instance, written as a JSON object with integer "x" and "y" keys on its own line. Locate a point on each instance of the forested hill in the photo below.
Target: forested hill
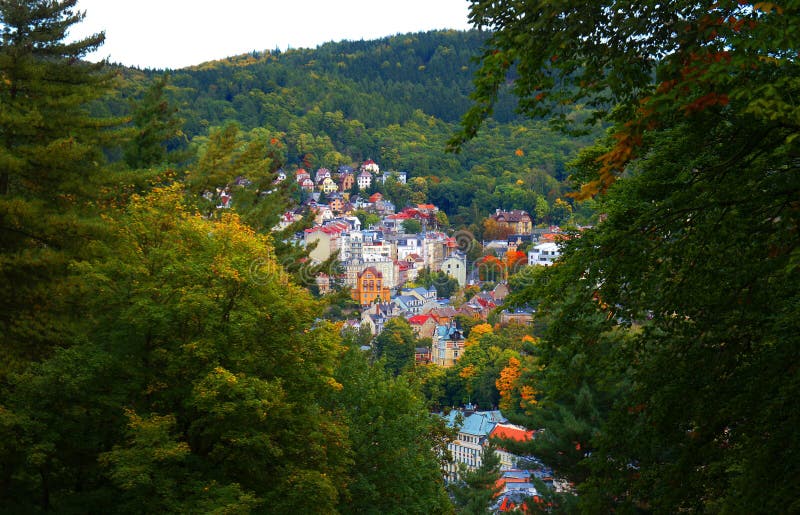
{"x": 396, "y": 100}
{"x": 378, "y": 82}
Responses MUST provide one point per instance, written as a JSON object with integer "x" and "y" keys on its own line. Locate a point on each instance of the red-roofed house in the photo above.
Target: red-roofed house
{"x": 370, "y": 166}
{"x": 307, "y": 184}
{"x": 423, "y": 325}
{"x": 328, "y": 238}
{"x": 509, "y": 432}
{"x": 375, "y": 197}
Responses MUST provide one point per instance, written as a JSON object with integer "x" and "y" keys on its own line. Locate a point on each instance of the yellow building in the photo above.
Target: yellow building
{"x": 370, "y": 287}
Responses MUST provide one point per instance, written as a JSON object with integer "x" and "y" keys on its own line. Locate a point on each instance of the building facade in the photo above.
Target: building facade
{"x": 370, "y": 287}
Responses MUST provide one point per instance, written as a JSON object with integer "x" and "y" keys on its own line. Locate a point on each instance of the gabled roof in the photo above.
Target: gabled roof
{"x": 444, "y": 311}
{"x": 480, "y": 423}
{"x": 419, "y": 319}
{"x": 372, "y": 270}
{"x": 510, "y": 216}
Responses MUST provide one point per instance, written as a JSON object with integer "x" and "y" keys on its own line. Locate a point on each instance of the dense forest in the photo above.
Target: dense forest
{"x": 395, "y": 100}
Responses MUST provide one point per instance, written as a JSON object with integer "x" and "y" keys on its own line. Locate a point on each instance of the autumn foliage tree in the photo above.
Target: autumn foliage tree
{"x": 687, "y": 289}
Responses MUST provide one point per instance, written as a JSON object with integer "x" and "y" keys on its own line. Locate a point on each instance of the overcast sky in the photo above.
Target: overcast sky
{"x": 178, "y": 33}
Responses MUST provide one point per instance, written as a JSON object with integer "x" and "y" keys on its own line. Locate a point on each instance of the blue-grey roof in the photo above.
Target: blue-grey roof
{"x": 479, "y": 423}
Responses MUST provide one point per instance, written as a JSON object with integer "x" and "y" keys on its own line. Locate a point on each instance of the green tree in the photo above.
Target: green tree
{"x": 688, "y": 288}
{"x": 367, "y": 219}
{"x": 560, "y": 212}
{"x": 395, "y": 346}
{"x": 398, "y": 446}
{"x": 442, "y": 222}
{"x": 411, "y": 226}
{"x": 51, "y": 156}
{"x": 158, "y": 137}
{"x": 445, "y": 285}
{"x": 475, "y": 490}
{"x": 199, "y": 384}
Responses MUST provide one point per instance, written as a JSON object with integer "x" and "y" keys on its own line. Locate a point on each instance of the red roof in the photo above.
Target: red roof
{"x": 510, "y": 432}
{"x": 375, "y": 197}
{"x": 334, "y": 228}
{"x": 418, "y": 319}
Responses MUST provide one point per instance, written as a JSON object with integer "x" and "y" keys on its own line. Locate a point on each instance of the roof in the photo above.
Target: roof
{"x": 371, "y": 269}
{"x": 512, "y": 432}
{"x": 419, "y": 319}
{"x": 510, "y": 216}
{"x": 517, "y": 474}
{"x": 444, "y": 311}
{"x": 548, "y": 246}
{"x": 480, "y": 423}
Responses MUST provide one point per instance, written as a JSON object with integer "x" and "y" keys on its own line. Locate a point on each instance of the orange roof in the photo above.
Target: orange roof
{"x": 509, "y": 432}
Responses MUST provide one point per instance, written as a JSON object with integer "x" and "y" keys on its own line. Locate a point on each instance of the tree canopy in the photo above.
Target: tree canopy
{"x": 663, "y": 375}
{"x": 158, "y": 352}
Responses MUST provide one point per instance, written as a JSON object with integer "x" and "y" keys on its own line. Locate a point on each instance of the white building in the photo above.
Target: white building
{"x": 364, "y": 180}
{"x": 544, "y": 254}
{"x": 474, "y": 429}
{"x": 408, "y": 244}
{"x": 455, "y": 265}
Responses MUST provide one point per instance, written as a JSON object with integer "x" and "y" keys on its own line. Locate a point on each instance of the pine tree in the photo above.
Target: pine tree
{"x": 474, "y": 492}
{"x": 158, "y": 137}
{"x": 50, "y": 165}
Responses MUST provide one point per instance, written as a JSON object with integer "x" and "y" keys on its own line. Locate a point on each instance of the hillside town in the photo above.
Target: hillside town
{"x": 381, "y": 263}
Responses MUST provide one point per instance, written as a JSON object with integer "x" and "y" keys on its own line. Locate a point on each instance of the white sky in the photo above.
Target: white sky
{"x": 179, "y": 33}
